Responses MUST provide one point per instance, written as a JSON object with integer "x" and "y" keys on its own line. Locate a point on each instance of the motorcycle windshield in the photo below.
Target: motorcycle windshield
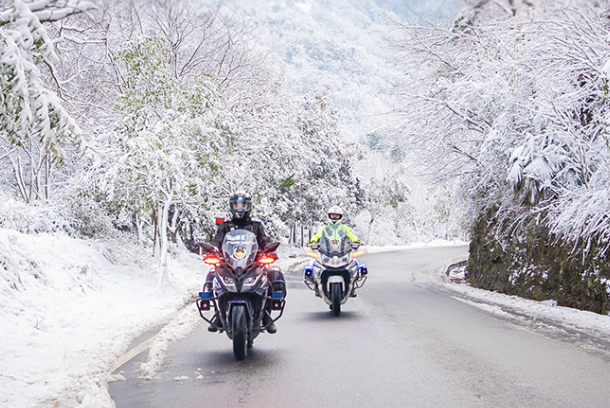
{"x": 239, "y": 248}
{"x": 334, "y": 242}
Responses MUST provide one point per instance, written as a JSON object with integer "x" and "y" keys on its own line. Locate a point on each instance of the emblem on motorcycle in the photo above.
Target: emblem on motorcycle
{"x": 335, "y": 243}
{"x": 239, "y": 252}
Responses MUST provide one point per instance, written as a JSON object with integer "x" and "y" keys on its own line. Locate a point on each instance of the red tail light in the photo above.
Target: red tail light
{"x": 211, "y": 260}
{"x": 266, "y": 259}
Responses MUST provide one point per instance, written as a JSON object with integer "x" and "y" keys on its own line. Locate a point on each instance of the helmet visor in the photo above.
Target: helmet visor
{"x": 334, "y": 216}
{"x": 240, "y": 206}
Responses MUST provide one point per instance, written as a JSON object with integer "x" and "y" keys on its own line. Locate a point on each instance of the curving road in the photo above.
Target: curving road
{"x": 401, "y": 343}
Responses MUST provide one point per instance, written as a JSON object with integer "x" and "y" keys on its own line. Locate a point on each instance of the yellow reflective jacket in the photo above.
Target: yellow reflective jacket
{"x": 334, "y": 231}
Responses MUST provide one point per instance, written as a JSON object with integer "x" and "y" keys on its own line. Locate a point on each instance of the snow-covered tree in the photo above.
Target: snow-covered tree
{"x": 513, "y": 104}
{"x": 165, "y": 152}
{"x": 34, "y": 128}
{"x": 285, "y": 151}
{"x": 513, "y": 100}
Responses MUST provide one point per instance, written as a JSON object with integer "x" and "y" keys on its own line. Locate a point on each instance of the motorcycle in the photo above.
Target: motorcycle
{"x": 334, "y": 274}
{"x": 240, "y": 297}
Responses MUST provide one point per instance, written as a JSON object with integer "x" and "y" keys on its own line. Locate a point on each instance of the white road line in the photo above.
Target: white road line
{"x": 133, "y": 352}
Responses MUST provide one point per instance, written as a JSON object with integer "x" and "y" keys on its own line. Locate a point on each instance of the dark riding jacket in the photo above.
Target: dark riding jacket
{"x": 247, "y": 224}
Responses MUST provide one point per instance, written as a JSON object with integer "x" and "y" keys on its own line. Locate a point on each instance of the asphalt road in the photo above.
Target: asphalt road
{"x": 400, "y": 343}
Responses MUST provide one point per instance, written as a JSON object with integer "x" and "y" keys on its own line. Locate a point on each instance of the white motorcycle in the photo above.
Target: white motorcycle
{"x": 334, "y": 274}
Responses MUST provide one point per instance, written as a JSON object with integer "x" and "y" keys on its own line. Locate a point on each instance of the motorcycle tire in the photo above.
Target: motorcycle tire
{"x": 335, "y": 293}
{"x": 240, "y": 332}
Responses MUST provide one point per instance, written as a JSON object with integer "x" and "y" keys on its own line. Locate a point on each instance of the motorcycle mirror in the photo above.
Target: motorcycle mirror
{"x": 207, "y": 247}
{"x": 315, "y": 246}
{"x": 355, "y": 245}
{"x": 272, "y": 246}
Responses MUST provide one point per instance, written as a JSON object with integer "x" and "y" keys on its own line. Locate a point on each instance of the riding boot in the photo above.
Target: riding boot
{"x": 268, "y": 323}
{"x": 213, "y": 327}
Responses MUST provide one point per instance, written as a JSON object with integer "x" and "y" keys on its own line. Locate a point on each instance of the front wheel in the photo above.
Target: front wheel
{"x": 240, "y": 332}
{"x": 335, "y": 294}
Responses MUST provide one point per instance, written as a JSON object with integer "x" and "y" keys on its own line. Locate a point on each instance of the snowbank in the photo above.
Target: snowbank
{"x": 69, "y": 308}
{"x": 437, "y": 243}
{"x": 515, "y": 307}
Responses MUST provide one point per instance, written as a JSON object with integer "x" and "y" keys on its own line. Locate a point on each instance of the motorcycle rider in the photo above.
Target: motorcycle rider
{"x": 335, "y": 214}
{"x": 240, "y": 206}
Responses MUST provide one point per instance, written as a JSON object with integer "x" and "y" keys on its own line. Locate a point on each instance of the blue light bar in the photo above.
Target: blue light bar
{"x": 363, "y": 269}
{"x": 205, "y": 295}
{"x": 277, "y": 294}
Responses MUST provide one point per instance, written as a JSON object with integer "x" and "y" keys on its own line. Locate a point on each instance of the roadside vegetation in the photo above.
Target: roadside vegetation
{"x": 511, "y": 100}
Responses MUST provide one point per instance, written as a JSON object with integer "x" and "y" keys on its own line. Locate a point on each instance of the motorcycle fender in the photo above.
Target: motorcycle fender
{"x": 230, "y": 305}
{"x": 335, "y": 279}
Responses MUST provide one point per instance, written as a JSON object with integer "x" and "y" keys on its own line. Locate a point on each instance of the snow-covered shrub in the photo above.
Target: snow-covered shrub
{"x": 36, "y": 218}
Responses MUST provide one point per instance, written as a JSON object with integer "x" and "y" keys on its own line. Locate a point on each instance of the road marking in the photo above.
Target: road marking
{"x": 133, "y": 352}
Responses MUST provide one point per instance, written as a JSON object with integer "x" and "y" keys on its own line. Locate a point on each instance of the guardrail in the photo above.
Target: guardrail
{"x": 456, "y": 265}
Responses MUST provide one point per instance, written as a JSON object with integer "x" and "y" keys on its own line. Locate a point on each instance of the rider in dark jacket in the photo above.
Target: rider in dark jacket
{"x": 240, "y": 206}
{"x": 240, "y": 222}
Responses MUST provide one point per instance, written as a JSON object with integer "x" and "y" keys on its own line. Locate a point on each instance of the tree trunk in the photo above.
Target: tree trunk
{"x": 139, "y": 223}
{"x": 174, "y": 229}
{"x": 416, "y": 229}
{"x": 155, "y": 220}
{"x": 164, "y": 241}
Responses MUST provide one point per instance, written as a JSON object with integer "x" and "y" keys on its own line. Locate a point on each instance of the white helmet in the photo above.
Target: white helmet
{"x": 333, "y": 212}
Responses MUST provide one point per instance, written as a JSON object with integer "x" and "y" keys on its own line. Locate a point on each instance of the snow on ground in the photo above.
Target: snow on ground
{"x": 437, "y": 243}
{"x": 69, "y": 309}
{"x": 514, "y": 307}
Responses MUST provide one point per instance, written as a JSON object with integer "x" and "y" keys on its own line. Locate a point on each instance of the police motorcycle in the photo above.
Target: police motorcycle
{"x": 334, "y": 274}
{"x": 240, "y": 297}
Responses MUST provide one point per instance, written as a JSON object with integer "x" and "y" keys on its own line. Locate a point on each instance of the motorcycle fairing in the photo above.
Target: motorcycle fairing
{"x": 239, "y": 249}
{"x": 334, "y": 241}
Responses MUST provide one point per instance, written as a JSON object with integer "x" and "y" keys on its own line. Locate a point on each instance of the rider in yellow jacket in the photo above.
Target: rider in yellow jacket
{"x": 335, "y": 231}
{"x": 335, "y": 228}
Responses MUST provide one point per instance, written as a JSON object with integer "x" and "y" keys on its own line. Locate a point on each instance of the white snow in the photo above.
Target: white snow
{"x": 69, "y": 309}
{"x": 437, "y": 243}
{"x": 511, "y": 306}
{"x": 606, "y": 68}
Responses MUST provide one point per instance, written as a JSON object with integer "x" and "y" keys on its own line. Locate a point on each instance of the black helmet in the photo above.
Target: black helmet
{"x": 240, "y": 205}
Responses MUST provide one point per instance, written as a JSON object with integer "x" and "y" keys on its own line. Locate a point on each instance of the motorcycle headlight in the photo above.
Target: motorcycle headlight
{"x": 229, "y": 283}
{"x": 337, "y": 262}
{"x": 251, "y": 281}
